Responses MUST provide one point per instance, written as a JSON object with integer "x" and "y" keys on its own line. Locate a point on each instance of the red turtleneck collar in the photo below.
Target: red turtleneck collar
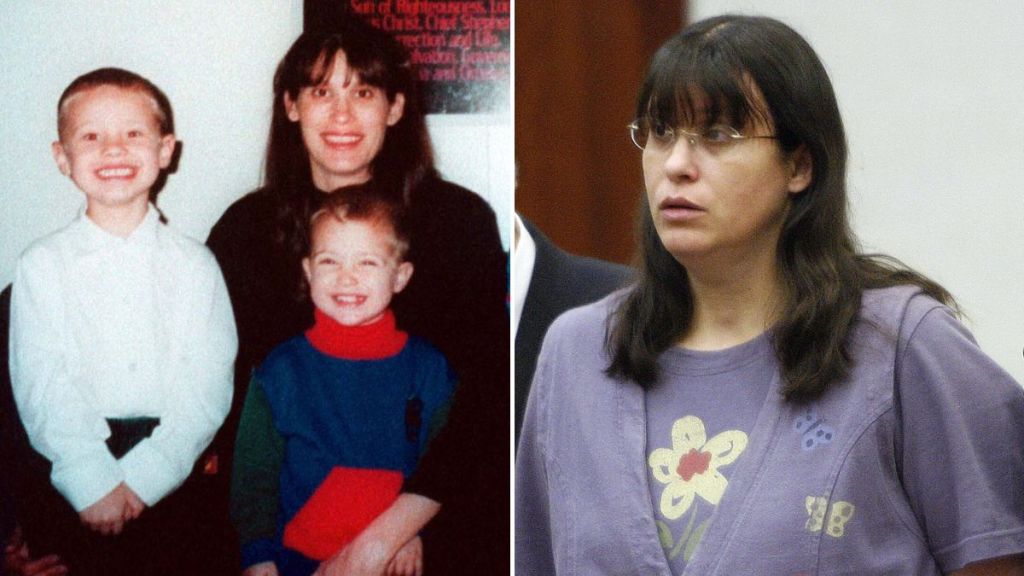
{"x": 371, "y": 342}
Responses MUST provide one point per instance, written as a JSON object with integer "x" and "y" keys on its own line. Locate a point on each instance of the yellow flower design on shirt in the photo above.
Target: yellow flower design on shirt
{"x": 690, "y": 467}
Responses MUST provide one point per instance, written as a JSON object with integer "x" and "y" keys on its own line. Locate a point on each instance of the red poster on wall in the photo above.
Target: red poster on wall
{"x": 460, "y": 48}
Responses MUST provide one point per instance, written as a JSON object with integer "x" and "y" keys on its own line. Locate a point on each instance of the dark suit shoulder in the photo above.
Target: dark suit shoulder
{"x": 596, "y": 278}
{"x": 566, "y": 280}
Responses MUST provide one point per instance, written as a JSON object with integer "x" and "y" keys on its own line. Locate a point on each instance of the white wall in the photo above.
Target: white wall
{"x": 215, "y": 61}
{"x": 931, "y": 95}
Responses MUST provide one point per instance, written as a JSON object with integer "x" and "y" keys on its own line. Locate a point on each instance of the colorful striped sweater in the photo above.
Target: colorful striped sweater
{"x": 350, "y": 429}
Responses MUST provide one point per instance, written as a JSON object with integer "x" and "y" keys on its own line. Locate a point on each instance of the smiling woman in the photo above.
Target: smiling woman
{"x": 798, "y": 406}
{"x": 343, "y": 122}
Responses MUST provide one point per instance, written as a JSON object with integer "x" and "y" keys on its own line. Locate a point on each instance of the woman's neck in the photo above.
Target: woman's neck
{"x": 733, "y": 304}
{"x": 328, "y": 183}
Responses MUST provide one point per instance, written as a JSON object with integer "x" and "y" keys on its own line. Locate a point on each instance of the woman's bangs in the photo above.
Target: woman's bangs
{"x": 697, "y": 92}
{"x": 316, "y": 65}
{"x": 369, "y": 64}
{"x": 369, "y": 70}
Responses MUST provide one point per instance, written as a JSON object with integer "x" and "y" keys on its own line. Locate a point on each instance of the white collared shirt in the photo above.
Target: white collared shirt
{"x": 524, "y": 253}
{"x": 110, "y": 327}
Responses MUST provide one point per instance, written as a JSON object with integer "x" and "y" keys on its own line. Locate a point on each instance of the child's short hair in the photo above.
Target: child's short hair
{"x": 121, "y": 79}
{"x": 365, "y": 203}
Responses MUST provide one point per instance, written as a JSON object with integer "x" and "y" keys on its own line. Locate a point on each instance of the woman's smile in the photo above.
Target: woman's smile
{"x": 342, "y": 139}
{"x": 343, "y": 122}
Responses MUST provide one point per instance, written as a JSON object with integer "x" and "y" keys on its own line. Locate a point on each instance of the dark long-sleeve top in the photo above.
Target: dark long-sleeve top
{"x": 455, "y": 300}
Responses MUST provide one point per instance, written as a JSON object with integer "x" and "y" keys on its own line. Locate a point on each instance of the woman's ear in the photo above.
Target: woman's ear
{"x": 801, "y": 170}
{"x": 396, "y": 109}
{"x": 291, "y": 107}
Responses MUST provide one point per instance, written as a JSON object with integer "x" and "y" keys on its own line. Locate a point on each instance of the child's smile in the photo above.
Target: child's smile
{"x": 349, "y": 300}
{"x": 116, "y": 173}
{"x": 353, "y": 270}
{"x": 112, "y": 146}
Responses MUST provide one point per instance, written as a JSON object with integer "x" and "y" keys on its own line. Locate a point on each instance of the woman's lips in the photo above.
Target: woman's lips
{"x": 339, "y": 139}
{"x": 679, "y": 209}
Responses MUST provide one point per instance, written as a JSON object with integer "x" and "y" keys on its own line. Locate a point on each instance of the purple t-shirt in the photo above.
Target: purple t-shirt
{"x": 699, "y": 417}
{"x": 913, "y": 464}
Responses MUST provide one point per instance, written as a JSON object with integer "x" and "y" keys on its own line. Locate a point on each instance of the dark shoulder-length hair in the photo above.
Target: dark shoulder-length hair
{"x": 406, "y": 157}
{"x": 753, "y": 69}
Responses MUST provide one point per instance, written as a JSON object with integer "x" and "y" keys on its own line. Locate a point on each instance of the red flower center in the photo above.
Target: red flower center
{"x": 693, "y": 462}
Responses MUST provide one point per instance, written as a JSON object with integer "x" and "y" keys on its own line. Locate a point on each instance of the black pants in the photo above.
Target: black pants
{"x": 186, "y": 533}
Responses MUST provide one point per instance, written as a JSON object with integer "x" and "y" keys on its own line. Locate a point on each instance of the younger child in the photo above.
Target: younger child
{"x": 336, "y": 418}
{"x": 122, "y": 343}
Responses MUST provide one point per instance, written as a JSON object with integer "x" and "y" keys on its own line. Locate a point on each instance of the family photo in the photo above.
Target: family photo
{"x": 257, "y": 313}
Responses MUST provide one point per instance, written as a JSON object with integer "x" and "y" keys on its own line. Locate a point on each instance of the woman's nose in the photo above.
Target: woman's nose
{"x": 341, "y": 107}
{"x": 681, "y": 161}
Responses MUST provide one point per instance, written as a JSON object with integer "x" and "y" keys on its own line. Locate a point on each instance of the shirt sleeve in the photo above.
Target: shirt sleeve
{"x": 959, "y": 443}
{"x": 255, "y": 484}
{"x": 61, "y": 424}
{"x": 534, "y": 549}
{"x": 438, "y": 389}
{"x": 200, "y": 396}
{"x": 439, "y": 417}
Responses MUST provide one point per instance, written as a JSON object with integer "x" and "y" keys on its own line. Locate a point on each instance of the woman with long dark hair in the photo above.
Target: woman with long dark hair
{"x": 766, "y": 399}
{"x": 346, "y": 112}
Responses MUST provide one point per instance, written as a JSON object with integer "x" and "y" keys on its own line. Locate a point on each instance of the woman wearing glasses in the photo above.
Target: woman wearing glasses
{"x": 766, "y": 399}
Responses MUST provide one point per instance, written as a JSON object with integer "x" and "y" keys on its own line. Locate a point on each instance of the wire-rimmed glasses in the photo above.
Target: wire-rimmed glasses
{"x": 660, "y": 136}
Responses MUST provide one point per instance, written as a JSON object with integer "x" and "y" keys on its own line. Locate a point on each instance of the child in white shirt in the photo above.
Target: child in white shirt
{"x": 122, "y": 335}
